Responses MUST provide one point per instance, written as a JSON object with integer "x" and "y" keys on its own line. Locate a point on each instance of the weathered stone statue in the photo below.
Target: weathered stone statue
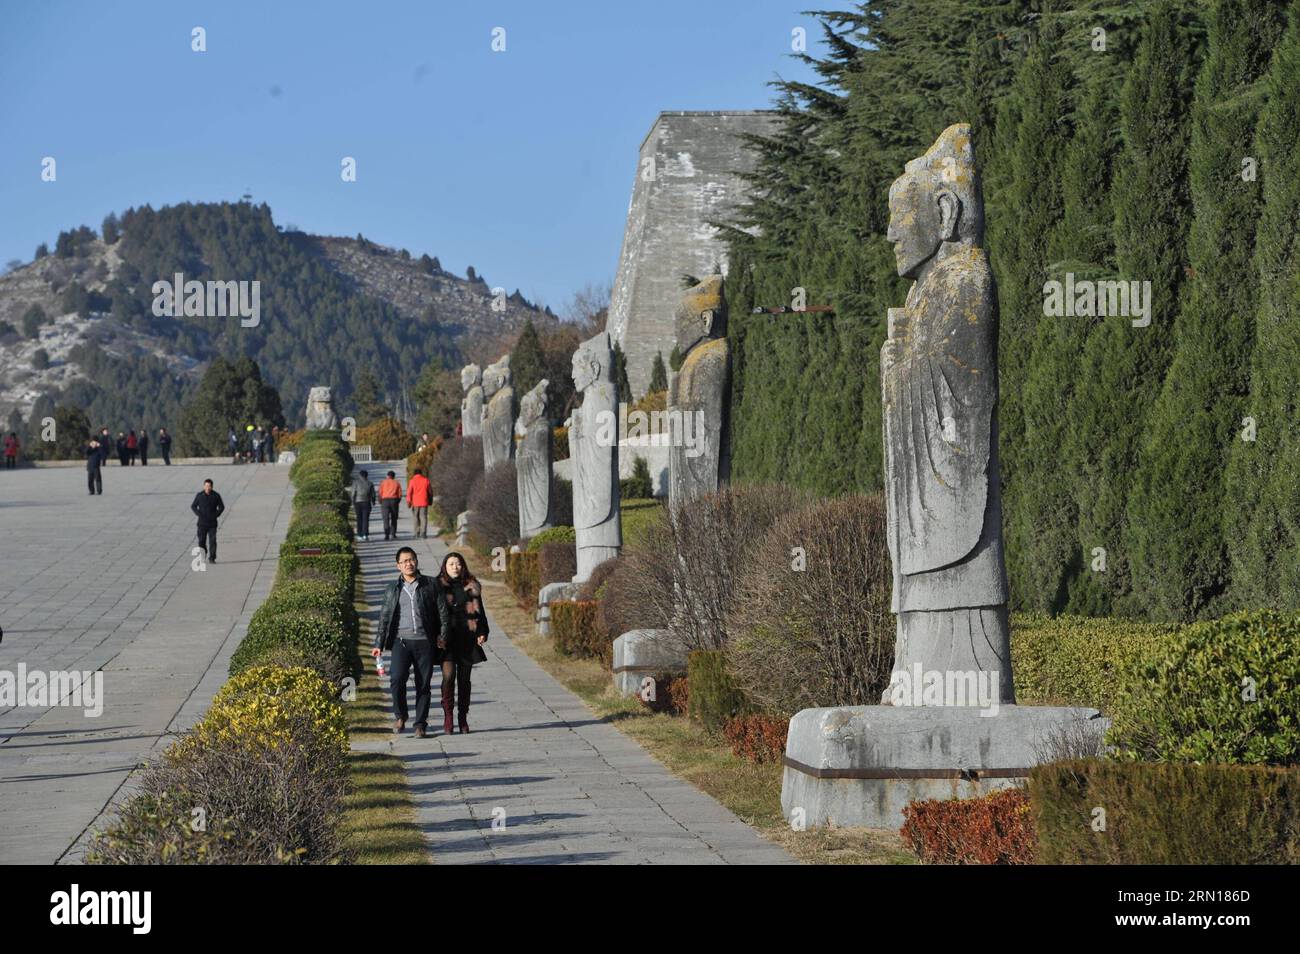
{"x": 498, "y": 414}
{"x": 699, "y": 454}
{"x": 940, "y": 389}
{"x": 471, "y": 408}
{"x": 593, "y": 446}
{"x": 533, "y": 462}
{"x": 320, "y": 410}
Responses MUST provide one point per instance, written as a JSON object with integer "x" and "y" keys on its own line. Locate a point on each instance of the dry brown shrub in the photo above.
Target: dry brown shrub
{"x": 823, "y": 635}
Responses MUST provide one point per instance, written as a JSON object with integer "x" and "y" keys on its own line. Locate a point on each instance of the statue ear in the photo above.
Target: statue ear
{"x": 949, "y": 210}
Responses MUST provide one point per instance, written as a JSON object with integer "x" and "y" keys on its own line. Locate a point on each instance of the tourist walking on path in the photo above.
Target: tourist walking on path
{"x": 94, "y": 476}
{"x": 390, "y": 498}
{"x": 233, "y": 441}
{"x": 122, "y": 452}
{"x": 165, "y": 445}
{"x": 256, "y": 438}
{"x": 11, "y": 451}
{"x": 132, "y": 448}
{"x": 462, "y": 646}
{"x": 144, "y": 447}
{"x": 208, "y": 506}
{"x": 417, "y": 498}
{"x": 413, "y": 619}
{"x": 363, "y": 498}
{"x": 105, "y": 446}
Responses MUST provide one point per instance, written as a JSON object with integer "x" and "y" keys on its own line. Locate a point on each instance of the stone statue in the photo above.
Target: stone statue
{"x": 533, "y": 462}
{"x": 593, "y": 446}
{"x": 471, "y": 408}
{"x": 320, "y": 410}
{"x": 699, "y": 458}
{"x": 498, "y": 414}
{"x": 940, "y": 390}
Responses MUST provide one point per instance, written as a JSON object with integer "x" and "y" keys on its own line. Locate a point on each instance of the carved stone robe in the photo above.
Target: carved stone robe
{"x": 701, "y": 385}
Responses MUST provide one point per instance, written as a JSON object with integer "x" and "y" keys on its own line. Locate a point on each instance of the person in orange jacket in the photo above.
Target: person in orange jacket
{"x": 390, "y": 497}
{"x": 417, "y": 498}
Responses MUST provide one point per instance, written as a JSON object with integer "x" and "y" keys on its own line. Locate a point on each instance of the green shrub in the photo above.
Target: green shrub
{"x": 325, "y": 542}
{"x": 320, "y": 596}
{"x": 556, "y": 563}
{"x": 313, "y": 631}
{"x": 639, "y": 518}
{"x": 1225, "y": 690}
{"x": 1079, "y": 660}
{"x": 639, "y": 485}
{"x": 340, "y": 566}
{"x": 1164, "y": 814}
{"x": 521, "y": 577}
{"x": 287, "y": 656}
{"x": 715, "y": 697}
{"x": 552, "y": 535}
{"x": 577, "y": 631}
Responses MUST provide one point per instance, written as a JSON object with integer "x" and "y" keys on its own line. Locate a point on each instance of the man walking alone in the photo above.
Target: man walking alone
{"x": 208, "y": 506}
{"x": 363, "y": 498}
{"x": 390, "y": 498}
{"x": 94, "y": 458}
{"x": 417, "y": 498}
{"x": 165, "y": 445}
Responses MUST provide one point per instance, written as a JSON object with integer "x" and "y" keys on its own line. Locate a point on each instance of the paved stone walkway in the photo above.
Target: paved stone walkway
{"x": 105, "y": 582}
{"x": 565, "y": 787}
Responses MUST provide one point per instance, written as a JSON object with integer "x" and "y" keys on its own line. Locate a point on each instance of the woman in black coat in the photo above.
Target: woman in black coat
{"x": 461, "y": 647}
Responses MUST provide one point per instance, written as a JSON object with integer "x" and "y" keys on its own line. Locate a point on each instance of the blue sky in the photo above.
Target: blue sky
{"x": 519, "y": 163}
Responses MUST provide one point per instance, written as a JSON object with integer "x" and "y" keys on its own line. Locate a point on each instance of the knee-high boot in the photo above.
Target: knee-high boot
{"x": 448, "y": 698}
{"x": 462, "y": 688}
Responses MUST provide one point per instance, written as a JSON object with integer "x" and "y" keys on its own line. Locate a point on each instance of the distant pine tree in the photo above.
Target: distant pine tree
{"x": 527, "y": 362}
{"x": 659, "y": 373}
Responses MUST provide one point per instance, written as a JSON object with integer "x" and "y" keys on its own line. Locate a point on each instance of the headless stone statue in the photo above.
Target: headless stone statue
{"x": 471, "y": 408}
{"x": 320, "y": 410}
{"x": 593, "y": 446}
{"x": 700, "y": 392}
{"x": 533, "y": 462}
{"x": 940, "y": 391}
{"x": 498, "y": 414}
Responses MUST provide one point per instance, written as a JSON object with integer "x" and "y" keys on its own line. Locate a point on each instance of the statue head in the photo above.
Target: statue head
{"x": 532, "y": 407}
{"x": 936, "y": 200}
{"x": 593, "y": 361}
{"x": 470, "y": 375}
{"x": 701, "y": 314}
{"x": 319, "y": 395}
{"x": 496, "y": 376}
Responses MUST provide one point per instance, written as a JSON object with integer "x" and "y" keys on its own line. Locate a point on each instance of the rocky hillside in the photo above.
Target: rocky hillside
{"x": 77, "y": 326}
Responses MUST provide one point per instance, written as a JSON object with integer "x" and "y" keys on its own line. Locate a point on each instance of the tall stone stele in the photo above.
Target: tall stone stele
{"x": 950, "y": 728}
{"x": 699, "y": 394}
{"x": 498, "y": 414}
{"x": 593, "y": 446}
{"x": 939, "y": 380}
{"x": 471, "y": 407}
{"x": 320, "y": 410}
{"x": 533, "y": 462}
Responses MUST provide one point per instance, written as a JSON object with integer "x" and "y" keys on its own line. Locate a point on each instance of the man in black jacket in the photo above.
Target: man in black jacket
{"x": 165, "y": 445}
{"x": 105, "y": 446}
{"x": 143, "y": 444}
{"x": 208, "y": 506}
{"x": 414, "y": 617}
{"x": 94, "y": 479}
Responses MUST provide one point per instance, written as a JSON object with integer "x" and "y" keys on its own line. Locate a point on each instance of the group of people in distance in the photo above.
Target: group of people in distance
{"x": 127, "y": 447}
{"x": 389, "y": 495}
{"x": 258, "y": 447}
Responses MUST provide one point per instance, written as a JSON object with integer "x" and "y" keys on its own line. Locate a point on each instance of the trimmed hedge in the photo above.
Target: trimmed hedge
{"x": 997, "y": 829}
{"x": 1163, "y": 814}
{"x": 756, "y": 737}
{"x": 312, "y": 631}
{"x": 715, "y": 697}
{"x": 552, "y": 535}
{"x": 1080, "y": 660}
{"x": 521, "y": 577}
{"x": 340, "y": 566}
{"x": 577, "y": 631}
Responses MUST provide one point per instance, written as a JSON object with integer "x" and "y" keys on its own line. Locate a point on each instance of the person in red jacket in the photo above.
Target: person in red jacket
{"x": 390, "y": 497}
{"x": 132, "y": 447}
{"x": 417, "y": 498}
{"x": 11, "y": 451}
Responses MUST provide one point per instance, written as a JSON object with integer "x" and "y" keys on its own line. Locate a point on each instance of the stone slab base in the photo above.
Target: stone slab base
{"x": 551, "y": 593}
{"x": 861, "y": 765}
{"x": 643, "y": 652}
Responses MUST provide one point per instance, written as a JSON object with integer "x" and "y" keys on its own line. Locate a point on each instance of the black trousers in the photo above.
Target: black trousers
{"x": 144, "y": 457}
{"x": 11, "y": 462}
{"x": 167, "y": 456}
{"x": 414, "y": 654}
{"x": 390, "y": 517}
{"x": 95, "y": 481}
{"x": 363, "y": 519}
{"x": 208, "y": 541}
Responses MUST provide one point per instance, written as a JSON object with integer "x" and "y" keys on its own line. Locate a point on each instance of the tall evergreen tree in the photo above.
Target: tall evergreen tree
{"x": 1178, "y": 551}
{"x": 659, "y": 373}
{"x": 1261, "y": 502}
{"x": 527, "y": 362}
{"x": 369, "y": 406}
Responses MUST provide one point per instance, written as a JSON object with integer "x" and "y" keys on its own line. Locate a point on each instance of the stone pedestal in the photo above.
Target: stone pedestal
{"x": 861, "y": 765}
{"x": 462, "y": 528}
{"x": 644, "y": 652}
{"x": 552, "y": 593}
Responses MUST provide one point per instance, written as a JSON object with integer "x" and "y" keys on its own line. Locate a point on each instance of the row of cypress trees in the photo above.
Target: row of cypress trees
{"x": 1147, "y": 471}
